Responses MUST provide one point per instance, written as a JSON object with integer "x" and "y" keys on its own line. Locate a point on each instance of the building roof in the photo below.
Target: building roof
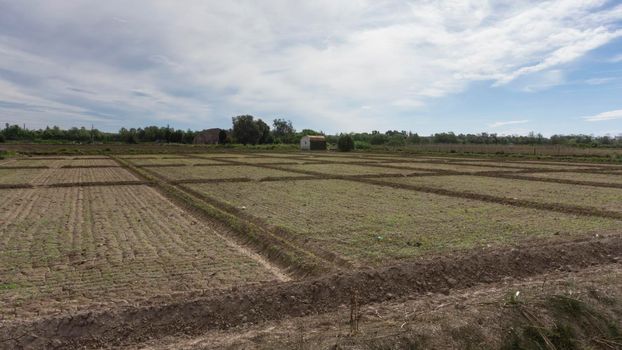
{"x": 316, "y": 137}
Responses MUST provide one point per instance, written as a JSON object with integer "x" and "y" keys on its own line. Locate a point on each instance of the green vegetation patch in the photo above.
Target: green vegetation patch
{"x": 371, "y": 224}
{"x": 349, "y": 169}
{"x": 219, "y": 172}
{"x": 589, "y": 196}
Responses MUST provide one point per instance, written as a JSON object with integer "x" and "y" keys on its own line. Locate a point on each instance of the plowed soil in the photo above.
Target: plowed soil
{"x": 194, "y": 315}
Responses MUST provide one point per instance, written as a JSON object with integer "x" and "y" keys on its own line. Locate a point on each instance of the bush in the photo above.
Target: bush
{"x": 345, "y": 143}
{"x": 361, "y": 145}
{"x": 396, "y": 141}
{"x": 1, "y": 138}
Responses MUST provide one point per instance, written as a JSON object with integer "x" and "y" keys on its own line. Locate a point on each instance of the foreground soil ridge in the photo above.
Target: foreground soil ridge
{"x": 123, "y": 326}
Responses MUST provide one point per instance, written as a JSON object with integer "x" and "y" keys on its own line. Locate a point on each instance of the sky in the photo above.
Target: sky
{"x": 506, "y": 67}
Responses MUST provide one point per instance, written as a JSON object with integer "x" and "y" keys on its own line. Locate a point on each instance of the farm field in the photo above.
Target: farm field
{"x": 82, "y": 175}
{"x": 531, "y": 165}
{"x": 268, "y": 160}
{"x": 601, "y": 198}
{"x": 449, "y": 167}
{"x": 85, "y": 162}
{"x": 124, "y": 250}
{"x": 218, "y": 172}
{"x": 615, "y": 177}
{"x": 30, "y": 163}
{"x": 19, "y": 176}
{"x": 169, "y": 161}
{"x": 349, "y": 169}
{"x": 398, "y": 223}
{"x": 71, "y": 247}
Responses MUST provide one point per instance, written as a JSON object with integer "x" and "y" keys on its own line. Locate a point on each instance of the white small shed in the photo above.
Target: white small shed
{"x": 313, "y": 143}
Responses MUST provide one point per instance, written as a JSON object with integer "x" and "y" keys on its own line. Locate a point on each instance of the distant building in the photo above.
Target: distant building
{"x": 210, "y": 137}
{"x": 313, "y": 143}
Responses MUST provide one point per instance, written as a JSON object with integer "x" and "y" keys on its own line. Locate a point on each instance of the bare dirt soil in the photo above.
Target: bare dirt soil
{"x": 480, "y": 317}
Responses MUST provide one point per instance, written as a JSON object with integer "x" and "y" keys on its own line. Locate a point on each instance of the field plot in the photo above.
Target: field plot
{"x": 585, "y": 196}
{"x": 606, "y": 178}
{"x": 172, "y": 161}
{"x": 25, "y": 162}
{"x": 449, "y": 167}
{"x": 65, "y": 247}
{"x": 218, "y": 172}
{"x": 87, "y": 162}
{"x": 349, "y": 169}
{"x": 81, "y": 175}
{"x": 151, "y": 156}
{"x": 223, "y": 155}
{"x": 370, "y": 224}
{"x": 340, "y": 159}
{"x": 20, "y": 176}
{"x": 525, "y": 165}
{"x": 572, "y": 164}
{"x": 275, "y": 160}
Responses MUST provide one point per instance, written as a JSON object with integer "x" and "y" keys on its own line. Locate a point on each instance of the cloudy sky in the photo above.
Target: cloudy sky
{"x": 334, "y": 65}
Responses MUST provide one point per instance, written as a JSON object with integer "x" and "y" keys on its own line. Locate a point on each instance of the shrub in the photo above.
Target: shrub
{"x": 361, "y": 145}
{"x": 1, "y": 138}
{"x": 345, "y": 143}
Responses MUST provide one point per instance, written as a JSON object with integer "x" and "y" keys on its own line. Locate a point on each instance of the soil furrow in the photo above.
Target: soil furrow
{"x": 222, "y": 310}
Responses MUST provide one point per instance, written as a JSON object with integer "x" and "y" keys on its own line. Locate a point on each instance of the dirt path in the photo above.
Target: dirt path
{"x": 478, "y": 309}
{"x": 193, "y": 315}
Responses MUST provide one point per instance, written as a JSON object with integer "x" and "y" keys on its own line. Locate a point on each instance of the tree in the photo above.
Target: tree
{"x": 245, "y": 130}
{"x": 414, "y": 138}
{"x": 310, "y": 132}
{"x": 345, "y": 143}
{"x": 377, "y": 138}
{"x": 283, "y": 131}
{"x": 222, "y": 137}
{"x": 264, "y": 132}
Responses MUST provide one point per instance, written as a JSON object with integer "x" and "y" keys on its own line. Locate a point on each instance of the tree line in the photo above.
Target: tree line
{"x": 247, "y": 129}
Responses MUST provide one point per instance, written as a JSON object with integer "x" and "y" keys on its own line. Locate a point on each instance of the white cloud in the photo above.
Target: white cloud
{"x": 318, "y": 62}
{"x": 616, "y": 58}
{"x": 600, "y": 81}
{"x": 508, "y": 122}
{"x": 611, "y": 115}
